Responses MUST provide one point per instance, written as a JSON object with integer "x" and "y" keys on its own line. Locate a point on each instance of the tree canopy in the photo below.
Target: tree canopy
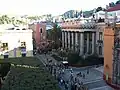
{"x": 118, "y": 2}
{"x": 4, "y": 19}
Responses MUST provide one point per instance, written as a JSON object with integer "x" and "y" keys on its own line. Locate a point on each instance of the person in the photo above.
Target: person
{"x": 83, "y": 76}
{"x": 61, "y": 81}
{"x": 87, "y": 71}
{"x": 63, "y": 71}
{"x": 66, "y": 86}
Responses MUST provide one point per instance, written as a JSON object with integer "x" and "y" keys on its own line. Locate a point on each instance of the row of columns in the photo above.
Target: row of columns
{"x": 75, "y": 41}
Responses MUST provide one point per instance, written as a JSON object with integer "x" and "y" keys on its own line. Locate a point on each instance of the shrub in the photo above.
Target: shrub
{"x": 74, "y": 58}
{"x": 93, "y": 60}
{"x": 62, "y": 54}
{"x": 57, "y": 58}
{"x": 4, "y": 69}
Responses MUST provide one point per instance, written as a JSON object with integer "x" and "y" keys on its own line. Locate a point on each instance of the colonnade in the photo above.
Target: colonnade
{"x": 83, "y": 42}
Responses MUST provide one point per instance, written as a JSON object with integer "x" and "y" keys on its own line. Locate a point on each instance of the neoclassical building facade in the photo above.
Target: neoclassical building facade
{"x": 85, "y": 38}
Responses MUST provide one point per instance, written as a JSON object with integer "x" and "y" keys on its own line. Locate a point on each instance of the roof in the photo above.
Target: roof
{"x": 115, "y": 8}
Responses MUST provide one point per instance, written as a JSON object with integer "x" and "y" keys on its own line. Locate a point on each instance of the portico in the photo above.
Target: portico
{"x": 74, "y": 40}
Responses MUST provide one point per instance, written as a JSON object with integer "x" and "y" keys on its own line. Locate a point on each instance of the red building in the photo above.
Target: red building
{"x": 39, "y": 35}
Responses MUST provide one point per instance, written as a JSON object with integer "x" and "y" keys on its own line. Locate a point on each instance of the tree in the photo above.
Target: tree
{"x": 99, "y": 9}
{"x": 56, "y": 35}
{"x": 118, "y": 2}
{"x": 112, "y": 4}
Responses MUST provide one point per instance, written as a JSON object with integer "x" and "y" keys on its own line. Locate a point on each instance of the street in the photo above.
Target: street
{"x": 93, "y": 80}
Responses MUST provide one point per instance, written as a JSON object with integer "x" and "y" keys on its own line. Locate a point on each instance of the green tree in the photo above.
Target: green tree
{"x": 112, "y": 4}
{"x": 55, "y": 34}
{"x": 99, "y": 9}
{"x": 118, "y": 2}
{"x": 1, "y": 20}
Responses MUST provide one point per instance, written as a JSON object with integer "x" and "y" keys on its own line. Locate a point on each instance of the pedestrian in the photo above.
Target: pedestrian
{"x": 66, "y": 86}
{"x": 63, "y": 71}
{"x": 61, "y": 81}
{"x": 87, "y": 71}
{"x": 83, "y": 76}
{"x": 75, "y": 86}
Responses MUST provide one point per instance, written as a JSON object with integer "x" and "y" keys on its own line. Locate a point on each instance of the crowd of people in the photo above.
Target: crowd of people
{"x": 58, "y": 71}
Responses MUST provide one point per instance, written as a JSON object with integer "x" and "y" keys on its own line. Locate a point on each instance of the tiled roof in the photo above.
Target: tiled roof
{"x": 115, "y": 8}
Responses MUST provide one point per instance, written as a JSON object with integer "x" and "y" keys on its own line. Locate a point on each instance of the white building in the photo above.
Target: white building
{"x": 112, "y": 12}
{"x": 100, "y": 14}
{"x": 14, "y": 39}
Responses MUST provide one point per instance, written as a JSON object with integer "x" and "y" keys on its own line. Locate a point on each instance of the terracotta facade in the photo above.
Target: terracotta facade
{"x": 39, "y": 34}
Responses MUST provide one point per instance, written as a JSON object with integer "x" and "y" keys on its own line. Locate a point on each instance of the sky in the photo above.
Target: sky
{"x": 54, "y": 7}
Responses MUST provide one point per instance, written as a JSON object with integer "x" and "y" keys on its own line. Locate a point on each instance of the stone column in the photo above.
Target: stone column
{"x": 76, "y": 41}
{"x": 88, "y": 42}
{"x": 81, "y": 43}
{"x": 93, "y": 43}
{"x": 72, "y": 36}
{"x": 63, "y": 39}
{"x": 69, "y": 40}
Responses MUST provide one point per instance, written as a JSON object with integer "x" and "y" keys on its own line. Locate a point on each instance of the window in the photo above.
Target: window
{"x": 85, "y": 36}
{"x": 24, "y": 29}
{"x": 23, "y": 44}
{"x": 5, "y": 46}
{"x": 90, "y": 36}
{"x": 90, "y": 47}
{"x": 41, "y": 30}
{"x": 100, "y": 35}
{"x": 100, "y": 50}
{"x": 17, "y": 29}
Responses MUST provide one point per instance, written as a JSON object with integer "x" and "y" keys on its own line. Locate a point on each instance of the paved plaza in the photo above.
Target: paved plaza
{"x": 93, "y": 80}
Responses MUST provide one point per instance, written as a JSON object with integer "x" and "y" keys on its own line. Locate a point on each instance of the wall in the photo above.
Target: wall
{"x": 108, "y": 52}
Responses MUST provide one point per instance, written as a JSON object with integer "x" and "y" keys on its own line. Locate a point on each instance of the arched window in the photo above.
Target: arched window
{"x": 41, "y": 30}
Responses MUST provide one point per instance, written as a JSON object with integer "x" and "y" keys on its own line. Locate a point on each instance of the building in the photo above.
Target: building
{"x": 114, "y": 11}
{"x": 15, "y": 41}
{"x": 39, "y": 34}
{"x": 112, "y": 50}
{"x": 109, "y": 57}
{"x": 83, "y": 36}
